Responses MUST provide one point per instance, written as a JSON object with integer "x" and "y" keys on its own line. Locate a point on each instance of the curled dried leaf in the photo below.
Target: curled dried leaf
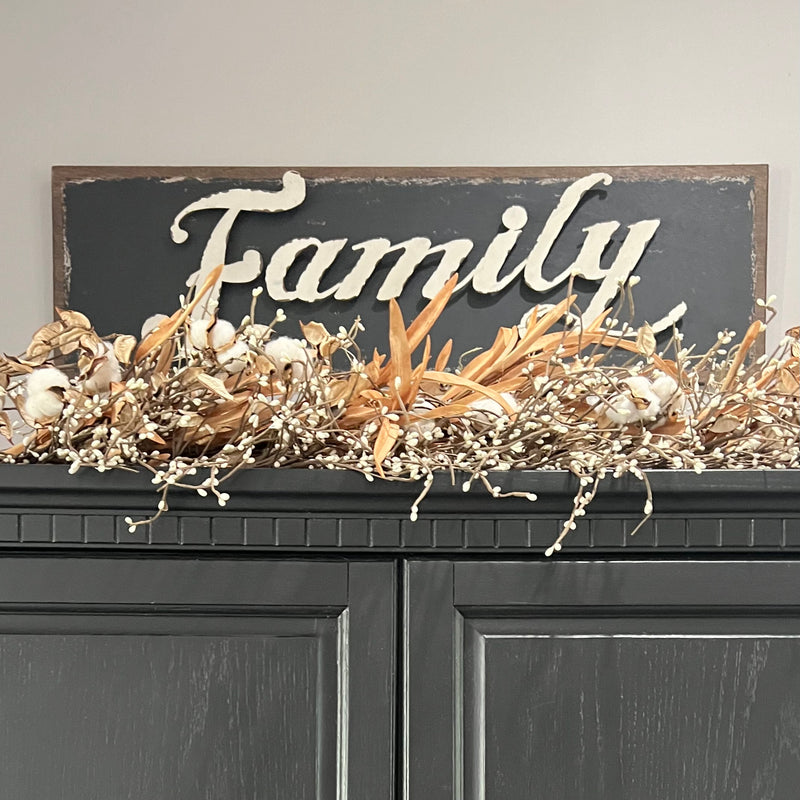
{"x": 73, "y": 319}
{"x": 11, "y": 366}
{"x": 6, "y": 428}
{"x": 123, "y": 348}
{"x": 345, "y": 389}
{"x": 646, "y": 340}
{"x": 789, "y": 382}
{"x": 320, "y": 338}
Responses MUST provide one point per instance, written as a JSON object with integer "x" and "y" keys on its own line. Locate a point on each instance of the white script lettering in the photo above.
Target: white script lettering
{"x": 484, "y": 277}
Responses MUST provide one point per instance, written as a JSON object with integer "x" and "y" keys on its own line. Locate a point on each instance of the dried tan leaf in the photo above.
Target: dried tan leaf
{"x": 400, "y": 352}
{"x": 457, "y": 380}
{"x": 153, "y": 437}
{"x": 164, "y": 361}
{"x": 410, "y": 395}
{"x": 11, "y": 366}
{"x": 673, "y": 426}
{"x": 753, "y": 332}
{"x": 487, "y": 361}
{"x": 345, "y": 389}
{"x": 426, "y": 319}
{"x": 123, "y": 348}
{"x": 384, "y": 442}
{"x": 19, "y": 404}
{"x": 73, "y": 319}
{"x": 55, "y": 336}
{"x": 214, "y": 385}
{"x": 43, "y": 337}
{"x": 319, "y": 337}
{"x": 724, "y": 424}
{"x": 789, "y": 382}
{"x": 355, "y": 416}
{"x": 227, "y": 416}
{"x": 372, "y": 371}
{"x": 444, "y": 356}
{"x": 432, "y": 388}
{"x": 5, "y": 426}
{"x": 90, "y": 343}
{"x": 419, "y": 328}
{"x": 646, "y": 340}
{"x": 125, "y": 416}
{"x": 442, "y": 412}
{"x": 544, "y": 323}
{"x": 37, "y": 353}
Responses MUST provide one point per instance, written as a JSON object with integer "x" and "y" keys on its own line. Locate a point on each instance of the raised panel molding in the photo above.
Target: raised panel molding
{"x": 138, "y": 678}
{"x": 624, "y": 712}
{"x": 603, "y": 680}
{"x": 42, "y": 506}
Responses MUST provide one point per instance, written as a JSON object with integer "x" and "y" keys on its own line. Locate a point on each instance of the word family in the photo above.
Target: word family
{"x": 484, "y": 277}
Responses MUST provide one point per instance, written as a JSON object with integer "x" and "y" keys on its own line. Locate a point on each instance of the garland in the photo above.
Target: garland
{"x": 196, "y": 396}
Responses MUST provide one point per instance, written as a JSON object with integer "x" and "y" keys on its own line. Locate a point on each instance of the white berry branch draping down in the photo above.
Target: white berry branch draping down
{"x": 195, "y": 400}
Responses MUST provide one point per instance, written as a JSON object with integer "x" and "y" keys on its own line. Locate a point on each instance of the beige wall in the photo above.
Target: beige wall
{"x": 442, "y": 82}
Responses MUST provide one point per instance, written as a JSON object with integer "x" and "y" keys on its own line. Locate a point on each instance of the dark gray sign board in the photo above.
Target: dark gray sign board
{"x": 116, "y": 261}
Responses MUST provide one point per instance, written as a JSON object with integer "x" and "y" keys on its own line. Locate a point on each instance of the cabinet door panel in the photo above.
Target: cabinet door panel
{"x": 261, "y": 692}
{"x": 551, "y": 688}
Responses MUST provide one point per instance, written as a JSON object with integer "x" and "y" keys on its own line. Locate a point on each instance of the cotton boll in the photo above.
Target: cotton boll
{"x": 108, "y": 371}
{"x": 419, "y": 425}
{"x": 638, "y": 384}
{"x": 198, "y": 333}
{"x": 206, "y": 333}
{"x": 44, "y": 378}
{"x": 222, "y": 333}
{"x": 286, "y": 352}
{"x": 487, "y": 410}
{"x": 45, "y": 387}
{"x": 232, "y": 358}
{"x": 620, "y": 409}
{"x": 151, "y": 323}
{"x": 664, "y": 387}
{"x": 641, "y": 392}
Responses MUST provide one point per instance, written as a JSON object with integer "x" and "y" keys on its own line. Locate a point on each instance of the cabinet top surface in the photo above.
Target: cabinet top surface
{"x": 309, "y": 511}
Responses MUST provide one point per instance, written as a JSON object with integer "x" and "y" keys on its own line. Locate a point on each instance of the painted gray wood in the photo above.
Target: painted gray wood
{"x": 148, "y": 679}
{"x": 564, "y": 681}
{"x": 111, "y": 226}
{"x": 296, "y": 511}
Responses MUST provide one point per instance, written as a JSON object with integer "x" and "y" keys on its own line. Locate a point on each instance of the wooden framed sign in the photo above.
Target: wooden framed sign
{"x": 332, "y": 244}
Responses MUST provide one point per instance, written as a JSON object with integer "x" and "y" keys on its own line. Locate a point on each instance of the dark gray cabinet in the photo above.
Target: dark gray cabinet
{"x": 603, "y": 680}
{"x": 144, "y": 679}
{"x": 309, "y": 641}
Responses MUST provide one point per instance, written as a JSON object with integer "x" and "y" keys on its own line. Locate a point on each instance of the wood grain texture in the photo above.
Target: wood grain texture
{"x": 604, "y": 717}
{"x": 235, "y": 679}
{"x": 604, "y": 680}
{"x": 140, "y": 717}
